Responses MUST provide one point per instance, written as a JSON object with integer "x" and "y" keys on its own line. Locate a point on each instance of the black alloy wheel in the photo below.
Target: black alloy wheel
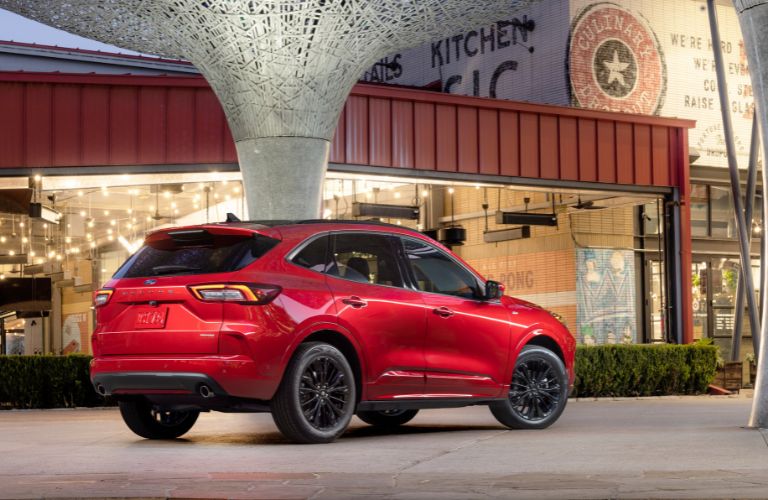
{"x": 387, "y": 418}
{"x": 538, "y": 391}
{"x": 152, "y": 422}
{"x": 323, "y": 393}
{"x": 316, "y": 398}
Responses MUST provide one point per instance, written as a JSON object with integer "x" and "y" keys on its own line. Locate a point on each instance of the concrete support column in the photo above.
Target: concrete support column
{"x": 753, "y": 17}
{"x": 283, "y": 176}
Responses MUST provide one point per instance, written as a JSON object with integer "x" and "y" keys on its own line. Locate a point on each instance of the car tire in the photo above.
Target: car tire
{"x": 149, "y": 422}
{"x": 538, "y": 391}
{"x": 316, "y": 398}
{"x": 387, "y": 418}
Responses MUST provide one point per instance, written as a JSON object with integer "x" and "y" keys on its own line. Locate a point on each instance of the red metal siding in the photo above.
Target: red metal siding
{"x": 424, "y": 126}
{"x": 12, "y": 133}
{"x": 95, "y": 140}
{"x": 402, "y": 134}
{"x": 550, "y": 168}
{"x": 357, "y": 130}
{"x": 509, "y": 143}
{"x": 38, "y": 125}
{"x": 180, "y": 131}
{"x": 123, "y": 125}
{"x": 569, "y": 148}
{"x": 446, "y": 144}
{"x": 67, "y": 124}
{"x": 529, "y": 145}
{"x": 468, "y": 140}
{"x": 209, "y": 120}
{"x": 625, "y": 166}
{"x": 380, "y": 142}
{"x": 587, "y": 150}
{"x": 153, "y": 109}
{"x": 51, "y": 120}
{"x": 660, "y": 145}
{"x": 643, "y": 164}
{"x": 488, "y": 141}
{"x": 606, "y": 151}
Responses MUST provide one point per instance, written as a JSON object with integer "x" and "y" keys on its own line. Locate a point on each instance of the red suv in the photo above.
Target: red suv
{"x": 316, "y": 321}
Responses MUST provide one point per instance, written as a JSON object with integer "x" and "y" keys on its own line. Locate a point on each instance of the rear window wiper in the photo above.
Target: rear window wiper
{"x": 173, "y": 269}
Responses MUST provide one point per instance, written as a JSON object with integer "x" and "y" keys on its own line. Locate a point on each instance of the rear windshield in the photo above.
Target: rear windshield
{"x": 216, "y": 255}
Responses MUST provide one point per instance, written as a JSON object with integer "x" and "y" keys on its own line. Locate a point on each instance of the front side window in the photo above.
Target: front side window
{"x": 436, "y": 272}
{"x": 366, "y": 258}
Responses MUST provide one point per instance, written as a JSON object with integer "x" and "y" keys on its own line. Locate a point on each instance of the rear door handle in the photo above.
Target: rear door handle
{"x": 355, "y": 302}
{"x": 443, "y": 312}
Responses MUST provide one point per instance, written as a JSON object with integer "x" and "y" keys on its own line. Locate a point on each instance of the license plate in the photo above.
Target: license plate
{"x": 151, "y": 317}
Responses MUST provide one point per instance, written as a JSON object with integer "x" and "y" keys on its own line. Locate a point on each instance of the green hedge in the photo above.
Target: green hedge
{"x": 46, "y": 382}
{"x": 644, "y": 370}
{"x": 608, "y": 370}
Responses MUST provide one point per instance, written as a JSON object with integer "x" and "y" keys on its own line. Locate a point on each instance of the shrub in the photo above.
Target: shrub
{"x": 606, "y": 370}
{"x": 644, "y": 370}
{"x": 46, "y": 382}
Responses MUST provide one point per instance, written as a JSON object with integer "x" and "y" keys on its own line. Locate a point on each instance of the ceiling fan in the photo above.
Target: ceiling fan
{"x": 587, "y": 205}
{"x": 157, "y": 215}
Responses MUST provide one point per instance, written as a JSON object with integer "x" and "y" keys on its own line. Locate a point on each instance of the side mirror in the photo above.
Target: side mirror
{"x": 493, "y": 290}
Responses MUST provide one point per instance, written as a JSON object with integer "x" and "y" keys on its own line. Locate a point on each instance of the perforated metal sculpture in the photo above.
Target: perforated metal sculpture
{"x": 282, "y": 69}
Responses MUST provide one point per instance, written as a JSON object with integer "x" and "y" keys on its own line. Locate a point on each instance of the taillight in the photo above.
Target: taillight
{"x": 239, "y": 293}
{"x": 101, "y": 297}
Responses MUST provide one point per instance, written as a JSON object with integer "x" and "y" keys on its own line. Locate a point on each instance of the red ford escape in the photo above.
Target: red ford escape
{"x": 317, "y": 321}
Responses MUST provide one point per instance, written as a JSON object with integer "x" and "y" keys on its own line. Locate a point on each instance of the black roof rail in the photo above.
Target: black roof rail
{"x": 288, "y": 222}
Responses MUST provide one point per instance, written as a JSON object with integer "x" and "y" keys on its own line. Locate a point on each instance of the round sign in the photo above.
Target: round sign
{"x": 615, "y": 62}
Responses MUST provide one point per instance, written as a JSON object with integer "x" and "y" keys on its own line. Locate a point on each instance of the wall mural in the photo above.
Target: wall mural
{"x": 605, "y": 290}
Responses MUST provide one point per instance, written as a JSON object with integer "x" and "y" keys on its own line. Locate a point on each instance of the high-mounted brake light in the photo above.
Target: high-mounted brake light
{"x": 238, "y": 293}
{"x": 101, "y": 297}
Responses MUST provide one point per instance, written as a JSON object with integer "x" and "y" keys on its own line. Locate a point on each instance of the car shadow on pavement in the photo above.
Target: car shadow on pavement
{"x": 275, "y": 438}
{"x": 371, "y": 431}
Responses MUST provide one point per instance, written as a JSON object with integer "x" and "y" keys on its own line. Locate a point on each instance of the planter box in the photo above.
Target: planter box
{"x": 729, "y": 376}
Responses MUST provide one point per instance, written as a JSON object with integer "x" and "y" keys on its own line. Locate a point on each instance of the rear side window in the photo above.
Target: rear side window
{"x": 315, "y": 255}
{"x": 217, "y": 254}
{"x": 367, "y": 258}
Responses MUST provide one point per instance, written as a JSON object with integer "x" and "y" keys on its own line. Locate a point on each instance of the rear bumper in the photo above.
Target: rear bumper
{"x": 119, "y": 383}
{"x": 235, "y": 376}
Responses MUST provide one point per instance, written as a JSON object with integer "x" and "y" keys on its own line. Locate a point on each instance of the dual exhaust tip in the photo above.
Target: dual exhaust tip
{"x": 204, "y": 391}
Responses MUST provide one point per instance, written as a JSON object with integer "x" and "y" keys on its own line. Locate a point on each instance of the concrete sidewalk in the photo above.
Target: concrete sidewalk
{"x": 695, "y": 447}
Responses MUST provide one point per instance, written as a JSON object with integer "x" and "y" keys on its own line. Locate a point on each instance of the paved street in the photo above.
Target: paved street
{"x": 666, "y": 448}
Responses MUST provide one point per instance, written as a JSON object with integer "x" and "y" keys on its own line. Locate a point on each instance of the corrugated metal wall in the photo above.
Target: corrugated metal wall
{"x": 398, "y": 128}
{"x": 53, "y": 120}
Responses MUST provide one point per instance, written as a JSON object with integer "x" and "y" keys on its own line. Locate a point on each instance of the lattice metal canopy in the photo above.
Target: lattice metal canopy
{"x": 280, "y": 67}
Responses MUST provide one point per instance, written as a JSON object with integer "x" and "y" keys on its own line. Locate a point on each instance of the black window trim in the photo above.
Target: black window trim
{"x": 399, "y": 256}
{"x": 406, "y": 273}
{"x": 413, "y": 283}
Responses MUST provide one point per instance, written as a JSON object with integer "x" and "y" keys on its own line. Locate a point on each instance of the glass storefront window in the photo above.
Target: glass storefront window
{"x": 699, "y": 209}
{"x": 700, "y": 313}
{"x": 722, "y": 213}
{"x": 657, "y": 301}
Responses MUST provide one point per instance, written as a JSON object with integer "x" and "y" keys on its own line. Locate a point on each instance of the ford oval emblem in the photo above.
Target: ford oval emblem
{"x": 150, "y": 282}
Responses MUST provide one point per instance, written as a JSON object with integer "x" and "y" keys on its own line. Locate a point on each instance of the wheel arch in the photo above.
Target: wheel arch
{"x": 546, "y": 341}
{"x": 347, "y": 347}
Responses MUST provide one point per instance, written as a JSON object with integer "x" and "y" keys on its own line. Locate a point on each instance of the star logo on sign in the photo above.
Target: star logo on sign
{"x": 615, "y": 69}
